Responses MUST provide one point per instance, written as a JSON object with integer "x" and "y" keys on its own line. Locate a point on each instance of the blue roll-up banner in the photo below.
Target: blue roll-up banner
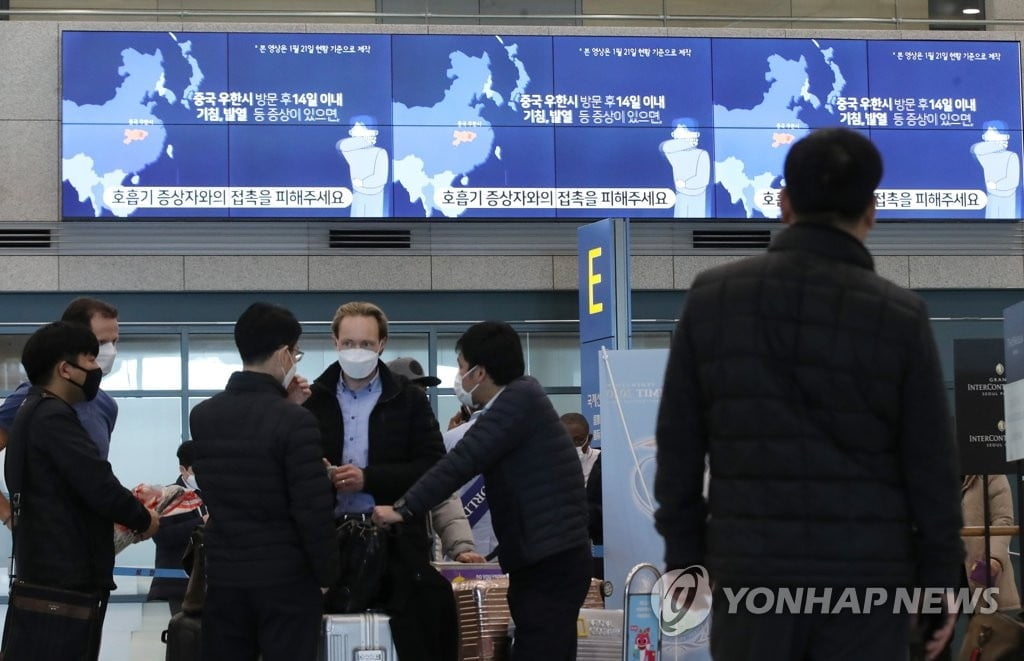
{"x": 630, "y": 392}
{"x": 631, "y": 383}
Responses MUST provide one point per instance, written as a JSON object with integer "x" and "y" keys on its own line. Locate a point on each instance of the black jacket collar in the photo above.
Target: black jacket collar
{"x": 830, "y": 242}
{"x": 389, "y": 386}
{"x": 246, "y": 381}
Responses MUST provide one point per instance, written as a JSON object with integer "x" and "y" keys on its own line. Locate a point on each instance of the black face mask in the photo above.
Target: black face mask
{"x": 92, "y": 382}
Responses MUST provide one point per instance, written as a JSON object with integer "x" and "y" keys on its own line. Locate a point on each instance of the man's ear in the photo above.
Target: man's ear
{"x": 866, "y": 223}
{"x": 383, "y": 343}
{"x": 787, "y": 209}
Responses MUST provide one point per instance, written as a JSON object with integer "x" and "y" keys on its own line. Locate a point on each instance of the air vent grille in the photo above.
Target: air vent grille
{"x": 364, "y": 239}
{"x": 25, "y": 238}
{"x": 742, "y": 239}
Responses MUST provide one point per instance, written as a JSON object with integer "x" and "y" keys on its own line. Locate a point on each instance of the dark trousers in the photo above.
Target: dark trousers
{"x": 282, "y": 622}
{"x": 745, "y": 636}
{"x": 545, "y": 601}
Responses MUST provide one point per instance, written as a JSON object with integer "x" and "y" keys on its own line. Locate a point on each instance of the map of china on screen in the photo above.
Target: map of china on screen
{"x": 258, "y": 125}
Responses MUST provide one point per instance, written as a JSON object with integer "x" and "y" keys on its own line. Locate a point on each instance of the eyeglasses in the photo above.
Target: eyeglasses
{"x": 298, "y": 355}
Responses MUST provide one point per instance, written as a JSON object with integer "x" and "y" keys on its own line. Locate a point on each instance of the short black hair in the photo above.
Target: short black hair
{"x": 831, "y": 175}
{"x": 263, "y": 329}
{"x": 575, "y": 419}
{"x": 83, "y": 309}
{"x": 186, "y": 454}
{"x": 53, "y": 343}
{"x": 496, "y": 346}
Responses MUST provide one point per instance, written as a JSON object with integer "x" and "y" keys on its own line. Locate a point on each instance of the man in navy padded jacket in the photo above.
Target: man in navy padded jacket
{"x": 534, "y": 486}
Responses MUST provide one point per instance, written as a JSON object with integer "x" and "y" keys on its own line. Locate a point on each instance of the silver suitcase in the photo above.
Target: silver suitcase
{"x": 599, "y": 635}
{"x": 357, "y": 637}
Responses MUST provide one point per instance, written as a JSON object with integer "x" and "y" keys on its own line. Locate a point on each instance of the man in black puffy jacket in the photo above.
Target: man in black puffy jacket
{"x": 69, "y": 497}
{"x": 815, "y": 387}
{"x": 534, "y": 487}
{"x": 270, "y": 541}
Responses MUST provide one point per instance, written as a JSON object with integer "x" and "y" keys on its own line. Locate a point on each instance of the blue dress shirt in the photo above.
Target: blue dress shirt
{"x": 356, "y": 406}
{"x": 97, "y": 416}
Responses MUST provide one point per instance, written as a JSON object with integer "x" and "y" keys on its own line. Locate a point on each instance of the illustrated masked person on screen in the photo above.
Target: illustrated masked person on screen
{"x": 1001, "y": 168}
{"x": 368, "y": 165}
{"x": 691, "y": 169}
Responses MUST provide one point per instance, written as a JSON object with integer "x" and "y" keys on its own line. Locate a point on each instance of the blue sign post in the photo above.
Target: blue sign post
{"x": 604, "y": 306}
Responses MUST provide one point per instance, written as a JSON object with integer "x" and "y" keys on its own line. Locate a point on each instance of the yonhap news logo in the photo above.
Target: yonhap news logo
{"x": 682, "y": 599}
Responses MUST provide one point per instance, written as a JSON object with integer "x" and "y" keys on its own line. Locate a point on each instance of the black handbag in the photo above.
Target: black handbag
{"x": 194, "y": 562}
{"x": 51, "y": 624}
{"x": 363, "y": 549}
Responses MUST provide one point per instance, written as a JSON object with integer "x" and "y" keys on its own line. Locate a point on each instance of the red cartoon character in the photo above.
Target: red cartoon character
{"x": 643, "y": 650}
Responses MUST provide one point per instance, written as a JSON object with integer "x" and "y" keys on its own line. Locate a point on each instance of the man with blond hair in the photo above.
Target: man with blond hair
{"x": 379, "y": 436}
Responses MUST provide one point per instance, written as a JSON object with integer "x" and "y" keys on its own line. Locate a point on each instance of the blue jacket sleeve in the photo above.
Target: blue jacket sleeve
{"x": 9, "y": 407}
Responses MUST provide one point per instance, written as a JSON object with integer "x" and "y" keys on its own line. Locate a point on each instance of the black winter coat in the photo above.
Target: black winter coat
{"x": 265, "y": 487}
{"x": 70, "y": 498}
{"x": 531, "y": 471}
{"x": 171, "y": 541}
{"x": 405, "y": 440}
{"x": 816, "y": 388}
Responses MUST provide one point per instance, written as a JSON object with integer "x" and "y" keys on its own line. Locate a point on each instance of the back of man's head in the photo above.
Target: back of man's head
{"x": 496, "y": 346}
{"x": 576, "y": 419}
{"x": 186, "y": 453}
{"x": 263, "y": 329}
{"x": 53, "y": 343}
{"x": 83, "y": 309}
{"x": 831, "y": 176}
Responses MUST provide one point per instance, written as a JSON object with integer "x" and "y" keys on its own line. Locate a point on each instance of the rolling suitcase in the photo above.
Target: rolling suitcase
{"x": 357, "y": 637}
{"x": 484, "y": 617}
{"x": 183, "y": 637}
{"x": 599, "y": 635}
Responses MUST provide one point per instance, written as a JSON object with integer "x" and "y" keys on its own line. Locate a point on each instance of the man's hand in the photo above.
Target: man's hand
{"x": 938, "y": 639}
{"x": 347, "y": 478}
{"x": 934, "y": 646}
{"x": 993, "y": 563}
{"x": 298, "y": 390}
{"x": 385, "y": 515}
{"x": 470, "y": 556}
{"x": 5, "y": 512}
{"x": 154, "y": 525}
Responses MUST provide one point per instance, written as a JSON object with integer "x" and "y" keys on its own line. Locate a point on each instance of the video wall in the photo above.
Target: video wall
{"x": 258, "y": 125}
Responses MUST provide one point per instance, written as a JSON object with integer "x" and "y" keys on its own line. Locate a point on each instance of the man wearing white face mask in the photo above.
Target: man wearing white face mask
{"x": 534, "y": 487}
{"x": 379, "y": 436}
{"x": 270, "y": 541}
{"x": 97, "y": 415}
{"x": 172, "y": 538}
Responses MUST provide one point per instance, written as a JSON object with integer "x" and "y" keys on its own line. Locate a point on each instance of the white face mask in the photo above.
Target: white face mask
{"x": 465, "y": 397}
{"x": 190, "y": 482}
{"x": 105, "y": 357}
{"x": 290, "y": 374}
{"x": 357, "y": 363}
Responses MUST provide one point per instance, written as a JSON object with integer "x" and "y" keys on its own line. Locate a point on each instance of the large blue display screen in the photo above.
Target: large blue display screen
{"x": 257, "y": 125}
